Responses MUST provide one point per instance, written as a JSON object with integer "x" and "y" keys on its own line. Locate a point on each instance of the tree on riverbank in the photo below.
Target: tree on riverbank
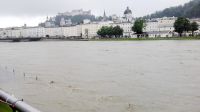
{"x": 194, "y": 27}
{"x": 117, "y": 31}
{"x": 138, "y": 26}
{"x": 181, "y": 25}
{"x": 105, "y": 31}
{"x": 109, "y": 31}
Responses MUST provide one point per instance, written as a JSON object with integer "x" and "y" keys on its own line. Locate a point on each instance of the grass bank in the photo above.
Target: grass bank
{"x": 5, "y": 108}
{"x": 142, "y": 39}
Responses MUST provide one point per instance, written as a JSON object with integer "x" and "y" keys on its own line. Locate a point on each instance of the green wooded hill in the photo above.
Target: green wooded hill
{"x": 189, "y": 10}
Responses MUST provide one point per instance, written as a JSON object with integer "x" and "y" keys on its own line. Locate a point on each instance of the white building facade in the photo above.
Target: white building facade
{"x": 32, "y": 32}
{"x": 72, "y": 31}
{"x": 160, "y": 27}
{"x": 127, "y": 28}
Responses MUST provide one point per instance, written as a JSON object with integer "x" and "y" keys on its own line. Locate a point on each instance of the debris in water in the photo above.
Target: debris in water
{"x": 130, "y": 107}
{"x": 52, "y": 82}
{"x": 107, "y": 50}
{"x": 36, "y": 78}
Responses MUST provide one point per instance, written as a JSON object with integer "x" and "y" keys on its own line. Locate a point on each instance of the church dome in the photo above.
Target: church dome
{"x": 127, "y": 11}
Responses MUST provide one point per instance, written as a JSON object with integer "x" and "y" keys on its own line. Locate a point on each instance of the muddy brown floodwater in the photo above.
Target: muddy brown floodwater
{"x": 128, "y": 76}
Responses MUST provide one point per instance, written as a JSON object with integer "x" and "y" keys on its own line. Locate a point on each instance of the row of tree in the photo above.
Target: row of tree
{"x": 182, "y": 24}
{"x": 109, "y": 31}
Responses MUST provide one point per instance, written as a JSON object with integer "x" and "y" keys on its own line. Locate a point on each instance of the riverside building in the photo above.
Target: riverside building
{"x": 158, "y": 27}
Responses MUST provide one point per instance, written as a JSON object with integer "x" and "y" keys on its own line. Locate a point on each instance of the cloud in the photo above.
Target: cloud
{"x": 31, "y": 12}
{"x": 44, "y": 7}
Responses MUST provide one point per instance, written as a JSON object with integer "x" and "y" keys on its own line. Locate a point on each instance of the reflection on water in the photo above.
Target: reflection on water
{"x": 138, "y": 76}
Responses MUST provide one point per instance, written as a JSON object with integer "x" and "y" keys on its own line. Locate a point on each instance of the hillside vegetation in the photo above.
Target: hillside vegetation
{"x": 189, "y": 10}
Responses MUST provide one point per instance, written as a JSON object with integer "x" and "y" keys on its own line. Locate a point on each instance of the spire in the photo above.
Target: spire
{"x": 47, "y": 18}
{"x": 104, "y": 16}
{"x": 128, "y": 8}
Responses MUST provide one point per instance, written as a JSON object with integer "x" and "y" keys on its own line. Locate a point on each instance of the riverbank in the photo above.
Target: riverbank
{"x": 39, "y": 39}
{"x": 5, "y": 108}
{"x": 142, "y": 39}
{"x": 104, "y": 39}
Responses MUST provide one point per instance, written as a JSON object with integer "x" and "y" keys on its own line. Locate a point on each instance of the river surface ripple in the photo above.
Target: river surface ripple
{"x": 98, "y": 76}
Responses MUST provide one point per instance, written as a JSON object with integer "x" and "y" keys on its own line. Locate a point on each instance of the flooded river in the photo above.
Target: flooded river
{"x": 126, "y": 76}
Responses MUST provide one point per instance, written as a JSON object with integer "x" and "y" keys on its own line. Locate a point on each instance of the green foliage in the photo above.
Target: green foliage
{"x": 109, "y": 31}
{"x": 80, "y": 18}
{"x": 138, "y": 26}
{"x": 117, "y": 31}
{"x": 5, "y": 108}
{"x": 194, "y": 26}
{"x": 103, "y": 32}
{"x": 75, "y": 19}
{"x": 182, "y": 24}
{"x": 99, "y": 18}
{"x": 189, "y": 10}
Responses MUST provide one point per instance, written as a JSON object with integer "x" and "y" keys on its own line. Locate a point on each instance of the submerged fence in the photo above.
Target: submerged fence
{"x": 15, "y": 104}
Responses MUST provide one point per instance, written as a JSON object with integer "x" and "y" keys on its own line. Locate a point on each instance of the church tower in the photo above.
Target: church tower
{"x": 104, "y": 16}
{"x": 128, "y": 15}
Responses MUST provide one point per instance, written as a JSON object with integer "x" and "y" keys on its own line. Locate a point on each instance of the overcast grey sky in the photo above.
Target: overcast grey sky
{"x": 18, "y": 12}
